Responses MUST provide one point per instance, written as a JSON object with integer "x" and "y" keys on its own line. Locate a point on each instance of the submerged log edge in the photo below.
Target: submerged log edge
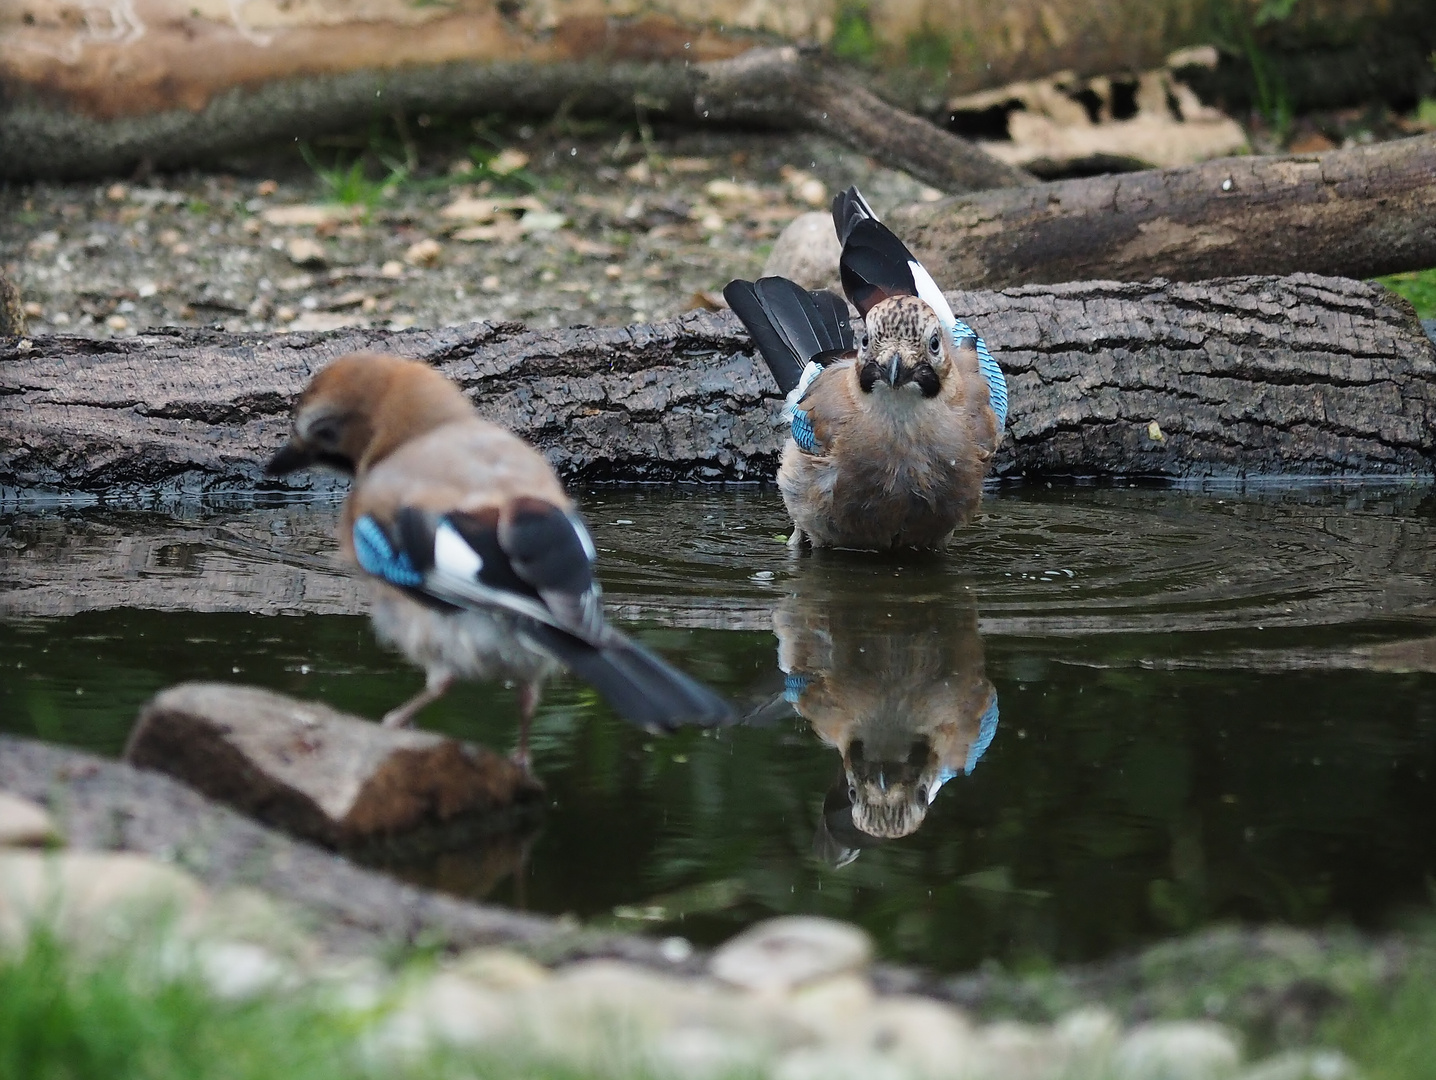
{"x": 1300, "y": 376}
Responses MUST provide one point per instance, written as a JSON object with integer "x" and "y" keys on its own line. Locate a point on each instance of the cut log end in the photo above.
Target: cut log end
{"x": 322, "y": 774}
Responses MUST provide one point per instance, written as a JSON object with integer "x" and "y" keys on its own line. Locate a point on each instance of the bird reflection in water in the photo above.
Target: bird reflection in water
{"x": 897, "y": 685}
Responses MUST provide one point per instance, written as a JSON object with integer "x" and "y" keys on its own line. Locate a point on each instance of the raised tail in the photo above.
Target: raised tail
{"x": 641, "y": 687}
{"x": 791, "y": 326}
{"x": 849, "y": 208}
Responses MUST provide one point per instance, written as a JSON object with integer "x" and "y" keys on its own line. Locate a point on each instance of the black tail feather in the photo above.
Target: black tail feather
{"x": 786, "y": 366}
{"x": 849, "y": 208}
{"x": 790, "y": 325}
{"x": 875, "y": 265}
{"x": 640, "y": 686}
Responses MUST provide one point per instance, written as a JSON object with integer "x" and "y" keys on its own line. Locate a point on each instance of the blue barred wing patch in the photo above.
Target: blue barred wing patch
{"x": 996, "y": 381}
{"x": 986, "y": 730}
{"x": 377, "y": 555}
{"x": 794, "y": 686}
{"x": 803, "y": 432}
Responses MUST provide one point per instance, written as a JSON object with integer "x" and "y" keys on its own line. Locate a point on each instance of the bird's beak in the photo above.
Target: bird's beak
{"x": 894, "y": 369}
{"x": 289, "y": 458}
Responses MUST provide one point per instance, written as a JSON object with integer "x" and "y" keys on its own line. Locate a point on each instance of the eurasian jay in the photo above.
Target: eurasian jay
{"x": 899, "y": 689}
{"x": 894, "y": 427}
{"x": 479, "y": 564}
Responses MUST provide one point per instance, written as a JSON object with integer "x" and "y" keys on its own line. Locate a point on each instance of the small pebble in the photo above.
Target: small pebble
{"x": 424, "y": 252}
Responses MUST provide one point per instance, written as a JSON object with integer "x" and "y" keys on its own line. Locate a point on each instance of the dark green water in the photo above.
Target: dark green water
{"x": 1212, "y": 707}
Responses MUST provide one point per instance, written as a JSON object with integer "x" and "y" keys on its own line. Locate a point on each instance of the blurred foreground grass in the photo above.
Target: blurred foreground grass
{"x": 1419, "y": 287}
{"x": 137, "y": 1014}
{"x": 134, "y": 1015}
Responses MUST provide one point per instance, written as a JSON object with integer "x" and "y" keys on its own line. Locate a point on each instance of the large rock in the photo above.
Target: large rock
{"x": 807, "y": 251}
{"x": 320, "y": 773}
{"x": 88, "y": 898}
{"x": 23, "y": 823}
{"x": 787, "y": 952}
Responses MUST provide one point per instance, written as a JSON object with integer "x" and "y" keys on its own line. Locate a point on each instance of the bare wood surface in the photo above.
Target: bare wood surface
{"x": 1362, "y": 212}
{"x": 322, "y": 774}
{"x": 784, "y": 88}
{"x": 1260, "y": 376}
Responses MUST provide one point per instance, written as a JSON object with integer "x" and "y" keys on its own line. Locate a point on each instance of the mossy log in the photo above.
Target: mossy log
{"x": 1361, "y": 212}
{"x": 1242, "y": 377}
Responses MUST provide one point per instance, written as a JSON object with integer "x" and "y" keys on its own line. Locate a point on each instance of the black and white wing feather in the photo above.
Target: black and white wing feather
{"x": 535, "y": 562}
{"x": 791, "y": 326}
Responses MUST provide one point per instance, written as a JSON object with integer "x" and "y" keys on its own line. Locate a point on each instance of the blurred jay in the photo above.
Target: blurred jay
{"x": 479, "y": 564}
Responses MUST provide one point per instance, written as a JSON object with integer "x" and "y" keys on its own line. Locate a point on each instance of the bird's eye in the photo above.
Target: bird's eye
{"x": 862, "y": 340}
{"x": 324, "y": 434}
{"x": 934, "y": 343}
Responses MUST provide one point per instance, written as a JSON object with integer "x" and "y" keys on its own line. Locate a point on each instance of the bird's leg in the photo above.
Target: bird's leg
{"x": 435, "y": 686}
{"x": 795, "y": 540}
{"x": 528, "y": 705}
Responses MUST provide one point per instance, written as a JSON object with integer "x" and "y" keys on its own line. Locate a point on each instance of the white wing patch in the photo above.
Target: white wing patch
{"x": 581, "y": 531}
{"x": 795, "y": 395}
{"x": 930, "y": 294}
{"x": 453, "y": 556}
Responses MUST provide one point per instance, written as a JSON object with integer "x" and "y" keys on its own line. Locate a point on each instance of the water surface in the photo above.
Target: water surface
{"x": 1104, "y": 716}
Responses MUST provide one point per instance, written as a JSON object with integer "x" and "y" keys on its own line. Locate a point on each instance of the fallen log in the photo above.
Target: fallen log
{"x": 1361, "y": 212}
{"x": 779, "y": 88}
{"x": 91, "y": 87}
{"x": 783, "y": 88}
{"x": 1293, "y": 376}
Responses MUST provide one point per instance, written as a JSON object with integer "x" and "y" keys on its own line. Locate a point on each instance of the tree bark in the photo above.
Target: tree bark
{"x": 1241, "y": 377}
{"x": 1360, "y": 213}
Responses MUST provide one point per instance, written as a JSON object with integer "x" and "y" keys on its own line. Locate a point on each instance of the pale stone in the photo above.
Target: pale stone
{"x": 700, "y": 1053}
{"x": 1303, "y": 1065}
{"x": 87, "y": 897}
{"x": 499, "y": 969}
{"x": 1178, "y": 1050}
{"x": 835, "y": 1063}
{"x": 602, "y": 1013}
{"x": 1088, "y": 1035}
{"x": 780, "y": 954}
{"x": 1012, "y": 1051}
{"x": 836, "y": 1009}
{"x": 236, "y": 970}
{"x": 423, "y": 252}
{"x": 305, "y": 251}
{"x": 443, "y": 1009}
{"x": 929, "y": 1038}
{"x": 24, "y": 824}
{"x": 807, "y": 251}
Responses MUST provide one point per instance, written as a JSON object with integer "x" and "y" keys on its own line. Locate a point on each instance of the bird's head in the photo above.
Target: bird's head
{"x": 361, "y": 408}
{"x": 889, "y": 797}
{"x": 903, "y": 347}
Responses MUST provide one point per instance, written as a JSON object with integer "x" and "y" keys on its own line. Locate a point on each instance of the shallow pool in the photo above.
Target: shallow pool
{"x": 1104, "y": 716}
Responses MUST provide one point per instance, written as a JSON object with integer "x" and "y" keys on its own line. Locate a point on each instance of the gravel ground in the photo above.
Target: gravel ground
{"x": 600, "y": 229}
